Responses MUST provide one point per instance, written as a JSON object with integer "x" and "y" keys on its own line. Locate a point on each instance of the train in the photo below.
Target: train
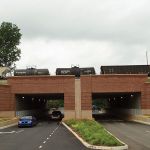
{"x": 75, "y": 71}
{"x": 31, "y": 72}
{"x": 125, "y": 69}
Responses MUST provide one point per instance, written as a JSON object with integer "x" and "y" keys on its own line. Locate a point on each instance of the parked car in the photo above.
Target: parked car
{"x": 56, "y": 115}
{"x": 27, "y": 121}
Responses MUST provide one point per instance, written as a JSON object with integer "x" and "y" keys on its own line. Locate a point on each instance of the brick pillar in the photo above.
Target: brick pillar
{"x": 69, "y": 98}
{"x": 145, "y": 99}
{"x": 86, "y": 97}
{"x": 77, "y": 99}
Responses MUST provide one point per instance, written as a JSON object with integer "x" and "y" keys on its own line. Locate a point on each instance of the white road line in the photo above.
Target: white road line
{"x": 40, "y": 147}
{"x": 148, "y": 131}
{"x": 47, "y": 137}
{"x": 7, "y": 132}
{"x": 19, "y": 131}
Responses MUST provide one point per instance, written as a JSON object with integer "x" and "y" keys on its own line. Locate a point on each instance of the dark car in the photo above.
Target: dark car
{"x": 27, "y": 121}
{"x": 57, "y": 115}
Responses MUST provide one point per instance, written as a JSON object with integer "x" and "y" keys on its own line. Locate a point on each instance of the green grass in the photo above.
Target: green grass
{"x": 92, "y": 132}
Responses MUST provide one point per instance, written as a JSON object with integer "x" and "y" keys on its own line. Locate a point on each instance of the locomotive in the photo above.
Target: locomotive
{"x": 75, "y": 71}
{"x": 31, "y": 72}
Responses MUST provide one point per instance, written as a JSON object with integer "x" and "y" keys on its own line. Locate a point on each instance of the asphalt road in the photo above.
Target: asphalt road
{"x": 135, "y": 135}
{"x": 44, "y": 136}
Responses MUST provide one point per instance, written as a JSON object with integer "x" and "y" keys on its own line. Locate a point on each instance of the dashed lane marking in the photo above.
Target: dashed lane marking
{"x": 48, "y": 137}
{"x": 40, "y": 146}
{"x": 19, "y": 131}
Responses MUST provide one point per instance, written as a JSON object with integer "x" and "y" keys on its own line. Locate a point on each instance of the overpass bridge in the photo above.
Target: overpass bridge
{"x": 125, "y": 94}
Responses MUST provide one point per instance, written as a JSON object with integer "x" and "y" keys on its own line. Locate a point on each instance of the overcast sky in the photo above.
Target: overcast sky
{"x": 88, "y": 33}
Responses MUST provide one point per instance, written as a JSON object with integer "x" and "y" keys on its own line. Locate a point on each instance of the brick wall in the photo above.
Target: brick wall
{"x": 145, "y": 102}
{"x": 45, "y": 84}
{"x": 114, "y": 83}
{"x": 6, "y": 101}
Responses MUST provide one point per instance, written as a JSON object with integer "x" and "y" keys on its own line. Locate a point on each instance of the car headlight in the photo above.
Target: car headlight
{"x": 20, "y": 122}
{"x": 30, "y": 121}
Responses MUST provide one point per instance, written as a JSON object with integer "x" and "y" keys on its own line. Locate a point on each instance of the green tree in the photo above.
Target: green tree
{"x": 9, "y": 40}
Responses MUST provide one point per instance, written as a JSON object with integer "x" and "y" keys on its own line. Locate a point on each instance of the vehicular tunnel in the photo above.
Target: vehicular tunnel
{"x": 38, "y": 105}
{"x": 115, "y": 105}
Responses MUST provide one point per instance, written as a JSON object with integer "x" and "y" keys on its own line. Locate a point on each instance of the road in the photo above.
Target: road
{"x": 44, "y": 136}
{"x": 135, "y": 135}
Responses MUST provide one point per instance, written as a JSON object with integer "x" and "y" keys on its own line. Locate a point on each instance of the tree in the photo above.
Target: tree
{"x": 9, "y": 40}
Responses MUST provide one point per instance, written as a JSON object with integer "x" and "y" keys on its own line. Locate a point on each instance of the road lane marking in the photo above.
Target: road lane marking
{"x": 148, "y": 131}
{"x": 40, "y": 146}
{"x": 48, "y": 137}
{"x": 19, "y": 131}
{"x": 7, "y": 132}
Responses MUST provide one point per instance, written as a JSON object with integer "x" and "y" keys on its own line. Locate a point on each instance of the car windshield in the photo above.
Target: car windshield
{"x": 56, "y": 113}
{"x": 26, "y": 118}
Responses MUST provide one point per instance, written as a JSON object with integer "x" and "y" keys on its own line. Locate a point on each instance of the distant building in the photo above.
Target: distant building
{"x": 4, "y": 72}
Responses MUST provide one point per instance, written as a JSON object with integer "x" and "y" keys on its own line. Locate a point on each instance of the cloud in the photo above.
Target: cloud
{"x": 85, "y": 32}
{"x": 54, "y": 54}
{"x": 114, "y": 20}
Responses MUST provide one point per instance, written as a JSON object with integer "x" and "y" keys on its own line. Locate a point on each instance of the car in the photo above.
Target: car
{"x": 56, "y": 115}
{"x": 27, "y": 121}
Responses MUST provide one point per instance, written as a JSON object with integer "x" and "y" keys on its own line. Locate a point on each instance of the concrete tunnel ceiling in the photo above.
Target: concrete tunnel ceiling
{"x": 35, "y": 104}
{"x": 119, "y": 100}
{"x": 116, "y": 104}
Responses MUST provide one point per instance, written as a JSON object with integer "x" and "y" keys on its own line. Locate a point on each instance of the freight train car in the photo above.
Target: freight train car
{"x": 31, "y": 72}
{"x": 126, "y": 69}
{"x": 75, "y": 71}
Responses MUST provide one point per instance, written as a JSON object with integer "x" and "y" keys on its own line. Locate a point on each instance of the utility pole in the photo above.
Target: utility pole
{"x": 146, "y": 57}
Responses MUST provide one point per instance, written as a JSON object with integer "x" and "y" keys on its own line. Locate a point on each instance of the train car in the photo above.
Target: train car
{"x": 87, "y": 71}
{"x": 75, "y": 71}
{"x": 125, "y": 69}
{"x": 63, "y": 71}
{"x": 30, "y": 72}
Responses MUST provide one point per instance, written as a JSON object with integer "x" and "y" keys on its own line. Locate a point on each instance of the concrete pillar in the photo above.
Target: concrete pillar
{"x": 78, "y": 99}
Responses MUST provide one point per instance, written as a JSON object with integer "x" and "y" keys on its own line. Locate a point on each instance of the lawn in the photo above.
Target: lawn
{"x": 92, "y": 132}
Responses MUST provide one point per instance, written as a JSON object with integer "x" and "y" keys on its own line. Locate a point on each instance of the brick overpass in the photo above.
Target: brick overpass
{"x": 77, "y": 93}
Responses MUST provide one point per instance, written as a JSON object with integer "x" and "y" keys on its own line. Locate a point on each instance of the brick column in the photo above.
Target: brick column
{"x": 77, "y": 99}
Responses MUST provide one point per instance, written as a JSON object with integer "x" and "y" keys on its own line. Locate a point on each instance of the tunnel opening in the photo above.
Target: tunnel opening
{"x": 39, "y": 105}
{"x": 115, "y": 105}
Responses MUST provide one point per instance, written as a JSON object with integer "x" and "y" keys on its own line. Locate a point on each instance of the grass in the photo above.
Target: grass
{"x": 92, "y": 132}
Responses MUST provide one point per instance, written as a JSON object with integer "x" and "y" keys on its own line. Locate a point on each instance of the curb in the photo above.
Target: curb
{"x": 142, "y": 122}
{"x": 125, "y": 147}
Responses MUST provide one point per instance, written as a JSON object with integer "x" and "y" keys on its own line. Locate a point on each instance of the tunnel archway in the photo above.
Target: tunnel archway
{"x": 116, "y": 105}
{"x": 37, "y": 104}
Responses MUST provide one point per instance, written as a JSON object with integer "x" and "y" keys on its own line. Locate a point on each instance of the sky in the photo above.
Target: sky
{"x": 87, "y": 33}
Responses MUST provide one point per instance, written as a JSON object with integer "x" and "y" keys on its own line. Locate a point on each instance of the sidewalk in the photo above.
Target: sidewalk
{"x": 144, "y": 119}
{"x": 5, "y": 123}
